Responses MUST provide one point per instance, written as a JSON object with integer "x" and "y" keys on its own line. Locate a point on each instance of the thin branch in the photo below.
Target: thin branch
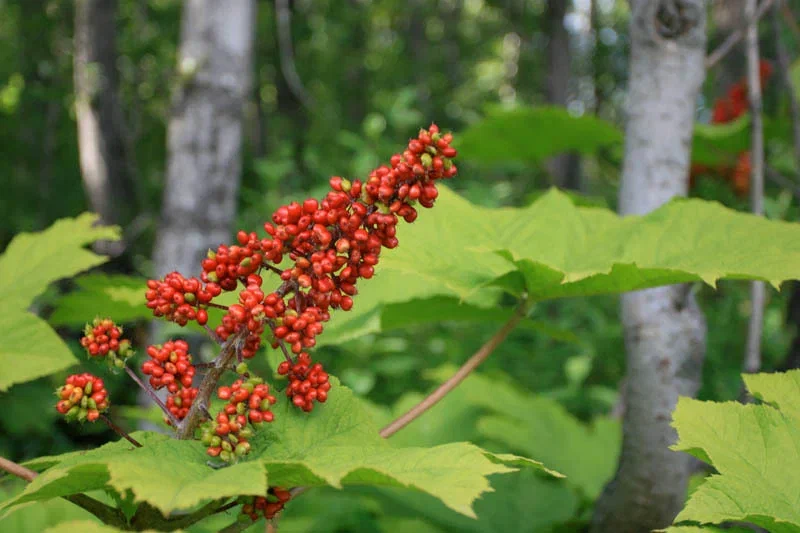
{"x": 283, "y": 17}
{"x": 733, "y": 39}
{"x": 119, "y": 431}
{"x": 153, "y": 396}
{"x": 104, "y": 512}
{"x": 213, "y": 335}
{"x": 471, "y": 364}
{"x": 755, "y": 328}
{"x": 17, "y": 470}
{"x": 281, "y": 344}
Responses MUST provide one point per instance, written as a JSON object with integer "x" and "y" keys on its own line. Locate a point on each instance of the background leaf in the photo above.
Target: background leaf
{"x": 532, "y": 134}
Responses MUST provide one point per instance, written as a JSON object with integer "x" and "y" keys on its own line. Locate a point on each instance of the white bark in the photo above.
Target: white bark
{"x": 205, "y": 132}
{"x": 664, "y": 328}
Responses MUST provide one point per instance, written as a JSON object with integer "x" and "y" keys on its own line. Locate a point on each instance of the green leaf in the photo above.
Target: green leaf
{"x": 82, "y": 526}
{"x": 380, "y": 307}
{"x": 34, "y": 260}
{"x": 553, "y": 249}
{"x": 338, "y": 445}
{"x": 29, "y": 349}
{"x": 40, "y": 516}
{"x": 542, "y": 428}
{"x": 166, "y": 473}
{"x": 755, "y": 449}
{"x": 526, "y": 135}
{"x": 520, "y": 502}
{"x": 116, "y": 296}
{"x": 720, "y": 144}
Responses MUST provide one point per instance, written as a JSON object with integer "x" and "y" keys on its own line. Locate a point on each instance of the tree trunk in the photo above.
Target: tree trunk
{"x": 101, "y": 145}
{"x": 664, "y": 328}
{"x": 565, "y": 168}
{"x": 205, "y": 132}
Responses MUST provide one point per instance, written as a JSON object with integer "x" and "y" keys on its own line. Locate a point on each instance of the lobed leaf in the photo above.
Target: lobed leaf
{"x": 29, "y": 349}
{"x": 338, "y": 445}
{"x": 553, "y": 249}
{"x": 755, "y": 449}
{"x": 34, "y": 260}
{"x": 166, "y": 473}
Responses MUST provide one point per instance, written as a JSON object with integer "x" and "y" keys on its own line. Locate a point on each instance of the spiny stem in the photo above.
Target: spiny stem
{"x": 153, "y": 396}
{"x": 471, "y": 364}
{"x": 119, "y": 431}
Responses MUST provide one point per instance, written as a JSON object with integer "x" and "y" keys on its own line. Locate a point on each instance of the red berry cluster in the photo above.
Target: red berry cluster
{"x": 249, "y": 397}
{"x": 307, "y": 382}
{"x": 228, "y": 265}
{"x": 180, "y": 299}
{"x": 249, "y": 401}
{"x": 83, "y": 397}
{"x": 726, "y": 109}
{"x": 267, "y": 507}
{"x": 103, "y": 339}
{"x": 332, "y": 244}
{"x": 170, "y": 365}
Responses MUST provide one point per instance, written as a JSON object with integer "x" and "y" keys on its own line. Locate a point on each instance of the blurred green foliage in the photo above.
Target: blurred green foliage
{"x": 377, "y": 71}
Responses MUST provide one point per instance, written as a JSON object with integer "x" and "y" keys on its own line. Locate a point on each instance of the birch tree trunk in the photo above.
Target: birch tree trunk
{"x": 101, "y": 145}
{"x": 664, "y": 328}
{"x": 205, "y": 132}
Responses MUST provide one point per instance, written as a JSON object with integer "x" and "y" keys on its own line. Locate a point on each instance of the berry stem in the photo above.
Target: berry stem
{"x": 282, "y": 345}
{"x": 213, "y": 335}
{"x": 471, "y": 364}
{"x": 105, "y": 513}
{"x": 216, "y": 306}
{"x": 275, "y": 269}
{"x": 119, "y": 431}
{"x": 153, "y": 396}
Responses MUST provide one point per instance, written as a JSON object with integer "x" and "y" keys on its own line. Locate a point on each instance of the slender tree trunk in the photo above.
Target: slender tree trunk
{"x": 565, "y": 168}
{"x": 664, "y": 329}
{"x": 104, "y": 167}
{"x": 205, "y": 132}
